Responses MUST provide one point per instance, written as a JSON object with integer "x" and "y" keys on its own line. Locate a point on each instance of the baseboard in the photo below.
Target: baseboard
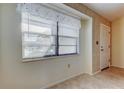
{"x": 96, "y": 72}
{"x": 57, "y": 82}
{"x": 117, "y": 66}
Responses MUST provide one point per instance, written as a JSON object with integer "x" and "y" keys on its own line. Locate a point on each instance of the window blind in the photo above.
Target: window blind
{"x": 47, "y": 32}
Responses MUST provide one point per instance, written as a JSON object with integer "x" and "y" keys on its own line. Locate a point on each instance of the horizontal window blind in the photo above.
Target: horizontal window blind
{"x": 47, "y": 32}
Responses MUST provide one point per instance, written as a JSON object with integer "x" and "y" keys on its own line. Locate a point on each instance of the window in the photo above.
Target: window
{"x": 46, "y": 32}
{"x": 68, "y": 36}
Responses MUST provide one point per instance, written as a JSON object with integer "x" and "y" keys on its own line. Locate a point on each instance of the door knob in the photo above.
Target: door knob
{"x": 102, "y": 49}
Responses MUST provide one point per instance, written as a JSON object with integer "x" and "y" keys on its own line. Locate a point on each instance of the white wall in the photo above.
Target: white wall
{"x": 40, "y": 74}
{"x": 118, "y": 42}
{"x": 87, "y": 45}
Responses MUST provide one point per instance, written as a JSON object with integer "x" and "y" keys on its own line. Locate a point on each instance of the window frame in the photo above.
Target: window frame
{"x": 57, "y": 45}
{"x": 56, "y": 48}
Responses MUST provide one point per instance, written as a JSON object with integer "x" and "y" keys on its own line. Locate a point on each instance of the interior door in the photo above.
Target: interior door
{"x": 104, "y": 46}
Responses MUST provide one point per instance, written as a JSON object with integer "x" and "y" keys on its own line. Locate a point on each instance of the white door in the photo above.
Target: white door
{"x": 104, "y": 46}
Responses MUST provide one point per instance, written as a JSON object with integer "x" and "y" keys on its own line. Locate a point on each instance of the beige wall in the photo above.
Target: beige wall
{"x": 0, "y": 53}
{"x": 40, "y": 74}
{"x": 118, "y": 42}
{"x": 97, "y": 19}
{"x": 15, "y": 74}
{"x": 87, "y": 48}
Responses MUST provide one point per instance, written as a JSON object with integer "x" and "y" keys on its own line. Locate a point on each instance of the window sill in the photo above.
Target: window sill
{"x": 26, "y": 60}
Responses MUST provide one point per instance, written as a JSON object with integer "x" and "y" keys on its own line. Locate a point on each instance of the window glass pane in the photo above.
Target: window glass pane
{"x": 38, "y": 24}
{"x": 38, "y": 51}
{"x": 38, "y": 37}
{"x": 67, "y": 49}
{"x": 37, "y": 45}
{"x": 67, "y": 41}
{"x": 68, "y": 32}
{"x": 36, "y": 29}
{"x": 31, "y": 38}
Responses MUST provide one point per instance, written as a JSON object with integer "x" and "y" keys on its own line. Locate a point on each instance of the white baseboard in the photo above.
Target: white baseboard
{"x": 59, "y": 81}
{"x": 96, "y": 72}
{"x": 117, "y": 66}
{"x": 62, "y": 80}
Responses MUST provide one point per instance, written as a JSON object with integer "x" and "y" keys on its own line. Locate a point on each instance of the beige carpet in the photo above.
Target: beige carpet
{"x": 108, "y": 79}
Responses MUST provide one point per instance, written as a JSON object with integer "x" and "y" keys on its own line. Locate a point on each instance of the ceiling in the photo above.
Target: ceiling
{"x": 110, "y": 11}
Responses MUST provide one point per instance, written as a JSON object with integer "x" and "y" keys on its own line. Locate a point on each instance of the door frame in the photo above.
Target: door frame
{"x": 109, "y": 31}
